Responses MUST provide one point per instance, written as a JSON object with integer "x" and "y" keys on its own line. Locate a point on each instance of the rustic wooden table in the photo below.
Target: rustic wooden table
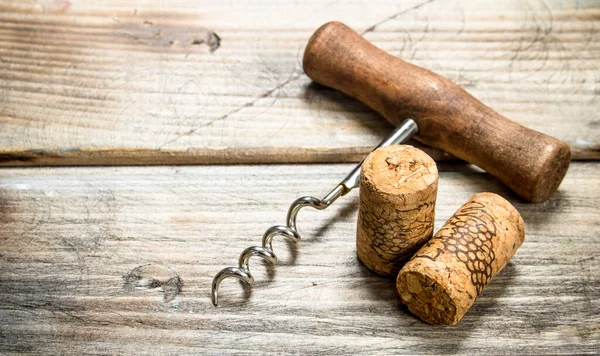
{"x": 119, "y": 260}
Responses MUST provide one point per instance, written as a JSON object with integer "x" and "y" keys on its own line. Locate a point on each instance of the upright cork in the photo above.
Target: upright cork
{"x": 445, "y": 277}
{"x": 398, "y": 188}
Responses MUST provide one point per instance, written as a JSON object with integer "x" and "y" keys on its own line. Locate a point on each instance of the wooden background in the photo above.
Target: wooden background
{"x": 126, "y": 82}
{"x": 119, "y": 260}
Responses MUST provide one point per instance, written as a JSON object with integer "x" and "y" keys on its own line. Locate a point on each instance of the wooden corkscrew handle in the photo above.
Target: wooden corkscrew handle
{"x": 530, "y": 163}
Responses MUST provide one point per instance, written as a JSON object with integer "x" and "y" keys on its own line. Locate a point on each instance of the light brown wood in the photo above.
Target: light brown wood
{"x": 101, "y": 80}
{"x": 398, "y": 188}
{"x": 447, "y": 275}
{"x": 449, "y": 118}
{"x": 73, "y": 240}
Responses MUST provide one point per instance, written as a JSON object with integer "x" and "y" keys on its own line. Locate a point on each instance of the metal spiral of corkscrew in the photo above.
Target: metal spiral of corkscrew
{"x": 402, "y": 133}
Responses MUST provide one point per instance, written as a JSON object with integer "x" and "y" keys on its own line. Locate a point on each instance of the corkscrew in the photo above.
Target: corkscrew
{"x": 402, "y": 133}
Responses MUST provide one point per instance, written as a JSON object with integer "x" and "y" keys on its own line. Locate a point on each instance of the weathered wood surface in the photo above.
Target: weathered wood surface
{"x": 120, "y": 260}
{"x": 121, "y": 82}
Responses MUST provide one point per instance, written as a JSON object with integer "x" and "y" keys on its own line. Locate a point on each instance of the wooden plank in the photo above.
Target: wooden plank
{"x": 120, "y": 260}
{"x": 121, "y": 82}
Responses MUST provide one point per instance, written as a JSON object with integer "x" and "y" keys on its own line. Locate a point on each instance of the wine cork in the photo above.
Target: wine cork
{"x": 445, "y": 277}
{"x": 398, "y": 188}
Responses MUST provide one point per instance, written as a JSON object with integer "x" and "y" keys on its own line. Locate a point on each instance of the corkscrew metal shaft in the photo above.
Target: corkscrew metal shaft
{"x": 402, "y": 133}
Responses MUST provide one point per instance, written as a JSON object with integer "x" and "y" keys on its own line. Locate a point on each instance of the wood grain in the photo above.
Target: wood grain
{"x": 116, "y": 82}
{"x": 119, "y": 260}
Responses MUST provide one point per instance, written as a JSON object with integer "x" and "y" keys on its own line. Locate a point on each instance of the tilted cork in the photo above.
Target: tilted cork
{"x": 398, "y": 188}
{"x": 445, "y": 277}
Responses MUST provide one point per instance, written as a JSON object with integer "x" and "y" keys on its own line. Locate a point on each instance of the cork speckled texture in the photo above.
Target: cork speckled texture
{"x": 445, "y": 277}
{"x": 398, "y": 190}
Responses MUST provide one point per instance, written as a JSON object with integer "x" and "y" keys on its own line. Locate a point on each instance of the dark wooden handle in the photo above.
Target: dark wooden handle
{"x": 529, "y": 162}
